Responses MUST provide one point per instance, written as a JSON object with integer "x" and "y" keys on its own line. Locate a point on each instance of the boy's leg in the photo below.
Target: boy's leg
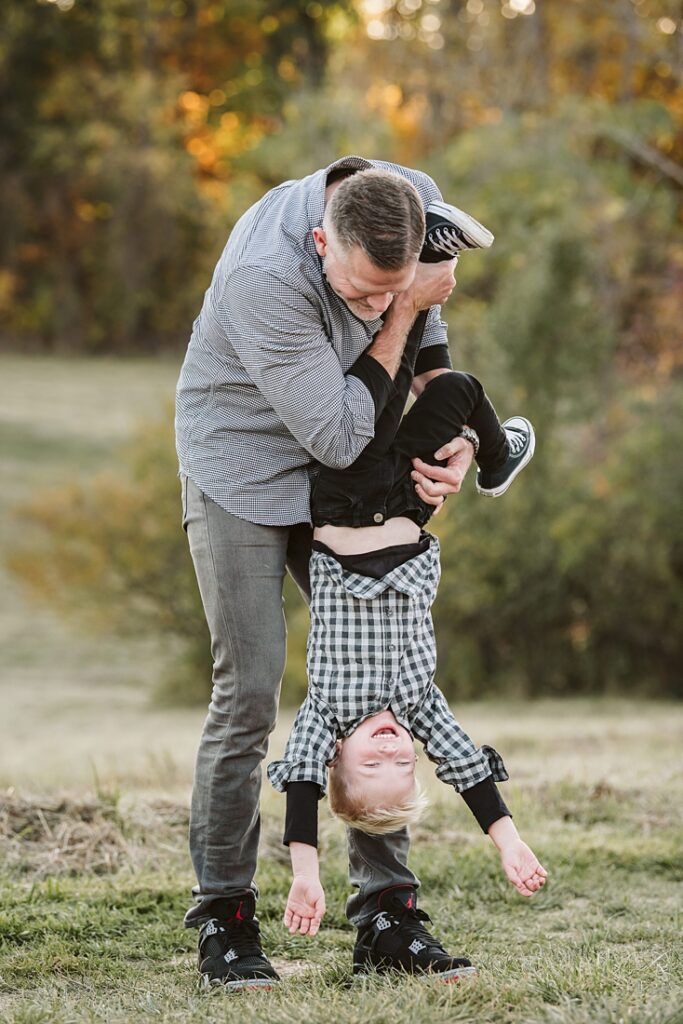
{"x": 448, "y": 403}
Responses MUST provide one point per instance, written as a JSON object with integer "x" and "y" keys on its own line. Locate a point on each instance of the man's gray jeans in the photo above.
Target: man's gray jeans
{"x": 240, "y": 569}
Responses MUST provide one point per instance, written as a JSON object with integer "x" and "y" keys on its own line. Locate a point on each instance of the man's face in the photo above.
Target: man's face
{"x": 378, "y": 760}
{"x": 366, "y": 289}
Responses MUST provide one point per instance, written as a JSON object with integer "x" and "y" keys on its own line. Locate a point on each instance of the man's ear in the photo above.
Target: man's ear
{"x": 320, "y": 239}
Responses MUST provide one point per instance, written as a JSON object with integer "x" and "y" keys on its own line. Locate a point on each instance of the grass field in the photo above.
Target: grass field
{"x": 94, "y": 870}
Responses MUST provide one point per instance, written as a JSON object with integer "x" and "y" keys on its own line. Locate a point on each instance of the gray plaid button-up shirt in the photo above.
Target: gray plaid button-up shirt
{"x": 371, "y": 646}
{"x": 274, "y": 377}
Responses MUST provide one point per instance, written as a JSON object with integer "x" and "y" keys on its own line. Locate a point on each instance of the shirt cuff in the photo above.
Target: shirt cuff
{"x": 434, "y": 357}
{"x": 376, "y": 379}
{"x": 486, "y": 803}
{"x": 301, "y": 819}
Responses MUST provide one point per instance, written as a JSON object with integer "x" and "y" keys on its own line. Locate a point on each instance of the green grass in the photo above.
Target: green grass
{"x": 94, "y": 889}
{"x": 94, "y": 872}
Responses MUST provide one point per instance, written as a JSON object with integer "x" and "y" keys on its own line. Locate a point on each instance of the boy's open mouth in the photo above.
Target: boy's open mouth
{"x": 385, "y": 730}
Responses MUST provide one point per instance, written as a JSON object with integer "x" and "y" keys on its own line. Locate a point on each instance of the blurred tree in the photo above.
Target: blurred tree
{"x": 120, "y": 123}
{"x": 110, "y": 556}
{"x": 135, "y": 132}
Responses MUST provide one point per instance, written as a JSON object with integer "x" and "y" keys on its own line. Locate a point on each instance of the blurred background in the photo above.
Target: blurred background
{"x": 135, "y": 133}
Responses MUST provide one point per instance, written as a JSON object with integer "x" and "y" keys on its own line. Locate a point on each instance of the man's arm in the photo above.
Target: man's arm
{"x": 278, "y": 334}
{"x": 432, "y": 285}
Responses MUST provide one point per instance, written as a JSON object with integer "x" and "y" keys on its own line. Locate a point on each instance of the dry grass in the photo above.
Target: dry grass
{"x": 63, "y": 835}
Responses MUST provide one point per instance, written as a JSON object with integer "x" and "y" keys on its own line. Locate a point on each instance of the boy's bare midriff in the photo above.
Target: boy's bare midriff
{"x": 357, "y": 540}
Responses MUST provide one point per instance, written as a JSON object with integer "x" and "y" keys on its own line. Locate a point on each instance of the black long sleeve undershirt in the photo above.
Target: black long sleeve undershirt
{"x": 301, "y": 820}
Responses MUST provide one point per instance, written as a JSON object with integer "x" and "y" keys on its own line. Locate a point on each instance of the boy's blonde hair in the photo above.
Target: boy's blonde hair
{"x": 349, "y": 805}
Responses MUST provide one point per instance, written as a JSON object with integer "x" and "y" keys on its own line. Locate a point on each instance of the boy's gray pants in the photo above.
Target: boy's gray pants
{"x": 240, "y": 569}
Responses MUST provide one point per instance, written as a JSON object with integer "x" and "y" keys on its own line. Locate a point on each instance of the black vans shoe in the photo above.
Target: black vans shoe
{"x": 449, "y": 231}
{"x": 396, "y": 940}
{"x": 521, "y": 443}
{"x": 230, "y": 951}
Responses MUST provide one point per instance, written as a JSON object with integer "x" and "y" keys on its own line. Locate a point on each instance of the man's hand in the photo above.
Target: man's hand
{"x": 432, "y": 286}
{"x": 433, "y": 483}
{"x": 305, "y": 906}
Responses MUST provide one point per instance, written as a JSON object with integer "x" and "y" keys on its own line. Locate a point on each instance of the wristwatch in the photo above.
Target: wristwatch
{"x": 472, "y": 436}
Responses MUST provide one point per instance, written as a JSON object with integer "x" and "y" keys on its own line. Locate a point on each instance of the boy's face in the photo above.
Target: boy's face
{"x": 378, "y": 760}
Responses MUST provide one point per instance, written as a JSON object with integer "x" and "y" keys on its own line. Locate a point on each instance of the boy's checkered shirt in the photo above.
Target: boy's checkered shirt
{"x": 371, "y": 646}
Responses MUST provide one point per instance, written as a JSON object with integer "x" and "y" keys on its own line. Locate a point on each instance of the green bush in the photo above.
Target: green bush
{"x": 573, "y": 582}
{"x": 110, "y": 554}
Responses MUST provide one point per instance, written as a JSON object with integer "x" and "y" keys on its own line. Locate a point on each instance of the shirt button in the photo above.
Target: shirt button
{"x": 392, "y": 647}
{"x": 378, "y": 517}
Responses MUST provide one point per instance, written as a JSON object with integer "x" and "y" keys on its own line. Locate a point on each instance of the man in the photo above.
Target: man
{"x": 291, "y": 362}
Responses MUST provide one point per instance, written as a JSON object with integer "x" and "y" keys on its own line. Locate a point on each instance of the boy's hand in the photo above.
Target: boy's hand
{"x": 522, "y": 867}
{"x": 520, "y": 863}
{"x": 305, "y": 906}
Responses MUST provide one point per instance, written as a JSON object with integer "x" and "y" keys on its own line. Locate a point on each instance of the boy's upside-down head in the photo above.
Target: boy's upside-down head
{"x": 372, "y": 783}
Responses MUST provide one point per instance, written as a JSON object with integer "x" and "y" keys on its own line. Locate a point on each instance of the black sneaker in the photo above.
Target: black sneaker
{"x": 522, "y": 442}
{"x": 230, "y": 951}
{"x": 449, "y": 231}
{"x": 395, "y": 940}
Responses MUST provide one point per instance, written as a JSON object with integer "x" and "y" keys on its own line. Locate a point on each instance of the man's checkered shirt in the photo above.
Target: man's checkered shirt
{"x": 275, "y": 374}
{"x": 371, "y": 646}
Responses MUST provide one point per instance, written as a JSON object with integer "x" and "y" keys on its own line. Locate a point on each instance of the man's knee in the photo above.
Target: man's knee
{"x": 246, "y": 685}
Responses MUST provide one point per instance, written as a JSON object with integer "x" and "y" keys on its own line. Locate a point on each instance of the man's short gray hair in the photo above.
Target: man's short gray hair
{"x": 382, "y": 213}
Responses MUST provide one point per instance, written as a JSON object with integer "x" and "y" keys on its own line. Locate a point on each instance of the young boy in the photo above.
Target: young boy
{"x": 371, "y": 650}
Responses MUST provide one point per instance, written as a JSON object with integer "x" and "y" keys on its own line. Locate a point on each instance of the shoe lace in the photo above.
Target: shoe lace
{"x": 410, "y": 920}
{"x": 444, "y": 240}
{"x": 516, "y": 441}
{"x": 244, "y": 937}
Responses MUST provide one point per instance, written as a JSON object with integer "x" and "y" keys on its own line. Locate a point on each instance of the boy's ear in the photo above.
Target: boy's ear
{"x": 337, "y": 752}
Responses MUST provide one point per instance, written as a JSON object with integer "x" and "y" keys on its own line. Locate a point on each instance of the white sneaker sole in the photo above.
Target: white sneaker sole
{"x": 495, "y": 492}
{"x": 476, "y": 232}
{"x": 443, "y": 977}
{"x": 206, "y": 983}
